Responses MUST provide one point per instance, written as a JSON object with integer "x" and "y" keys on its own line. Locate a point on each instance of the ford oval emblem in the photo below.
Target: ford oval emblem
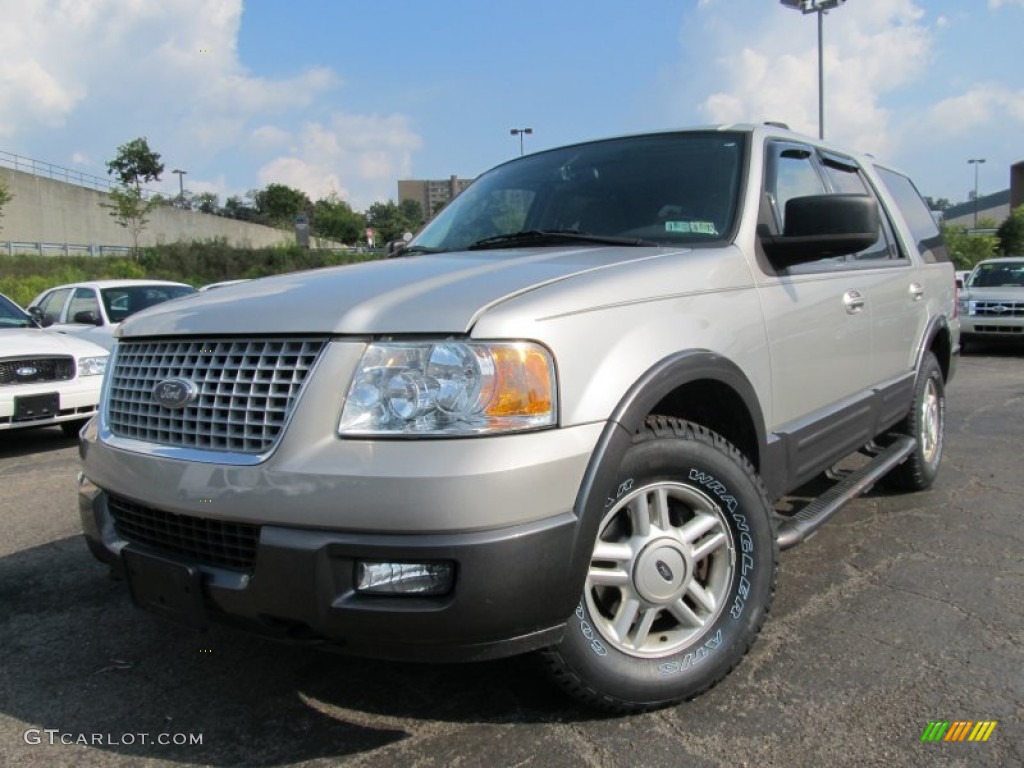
{"x": 663, "y": 570}
{"x": 26, "y": 370}
{"x": 175, "y": 393}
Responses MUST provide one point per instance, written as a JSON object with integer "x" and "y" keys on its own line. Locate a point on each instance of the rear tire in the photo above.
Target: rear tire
{"x": 681, "y": 576}
{"x": 926, "y": 423}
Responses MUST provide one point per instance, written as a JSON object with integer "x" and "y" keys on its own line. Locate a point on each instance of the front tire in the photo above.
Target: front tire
{"x": 681, "y": 576}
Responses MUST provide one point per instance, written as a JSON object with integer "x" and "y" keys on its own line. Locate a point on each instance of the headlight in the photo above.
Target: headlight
{"x": 450, "y": 388}
{"x": 92, "y": 366}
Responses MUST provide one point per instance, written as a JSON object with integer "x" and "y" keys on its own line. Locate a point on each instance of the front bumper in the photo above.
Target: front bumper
{"x": 992, "y": 328}
{"x": 500, "y": 509}
{"x": 76, "y": 400}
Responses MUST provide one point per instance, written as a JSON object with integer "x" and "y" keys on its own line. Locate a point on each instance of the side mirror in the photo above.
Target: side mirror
{"x": 87, "y": 317}
{"x": 40, "y": 317}
{"x": 820, "y": 226}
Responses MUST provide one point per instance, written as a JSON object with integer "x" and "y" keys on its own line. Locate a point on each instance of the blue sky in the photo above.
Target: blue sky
{"x": 351, "y": 95}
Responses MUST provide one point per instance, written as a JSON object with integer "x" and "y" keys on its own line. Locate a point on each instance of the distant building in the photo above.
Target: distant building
{"x": 432, "y": 194}
{"x": 994, "y": 206}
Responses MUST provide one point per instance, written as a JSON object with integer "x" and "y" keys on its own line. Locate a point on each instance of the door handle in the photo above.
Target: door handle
{"x": 853, "y": 300}
{"x": 916, "y": 291}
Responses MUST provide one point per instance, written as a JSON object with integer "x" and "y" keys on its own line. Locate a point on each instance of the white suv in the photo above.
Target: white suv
{"x": 558, "y": 421}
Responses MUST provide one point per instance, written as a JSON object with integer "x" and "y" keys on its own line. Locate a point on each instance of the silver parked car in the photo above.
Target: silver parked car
{"x": 95, "y": 309}
{"x": 992, "y": 301}
{"x": 557, "y": 420}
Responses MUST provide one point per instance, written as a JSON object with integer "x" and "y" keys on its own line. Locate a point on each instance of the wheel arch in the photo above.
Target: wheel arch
{"x": 695, "y": 385}
{"x": 938, "y": 339}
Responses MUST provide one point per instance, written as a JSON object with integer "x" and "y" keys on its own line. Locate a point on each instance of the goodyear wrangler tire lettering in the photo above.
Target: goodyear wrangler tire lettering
{"x": 681, "y": 574}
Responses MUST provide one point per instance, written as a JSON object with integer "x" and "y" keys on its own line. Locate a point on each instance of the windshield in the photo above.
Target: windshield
{"x": 12, "y": 316}
{"x": 665, "y": 189}
{"x": 124, "y": 301}
{"x": 999, "y": 275}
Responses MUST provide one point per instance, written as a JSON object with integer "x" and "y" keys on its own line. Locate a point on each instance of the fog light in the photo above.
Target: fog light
{"x": 377, "y": 578}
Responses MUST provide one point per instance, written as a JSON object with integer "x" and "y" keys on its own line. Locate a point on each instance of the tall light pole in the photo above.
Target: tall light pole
{"x": 976, "y": 162}
{"x": 181, "y": 185}
{"x": 520, "y": 132}
{"x": 820, "y": 7}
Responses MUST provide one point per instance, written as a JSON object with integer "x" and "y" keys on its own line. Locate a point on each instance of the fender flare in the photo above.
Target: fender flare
{"x": 654, "y": 385}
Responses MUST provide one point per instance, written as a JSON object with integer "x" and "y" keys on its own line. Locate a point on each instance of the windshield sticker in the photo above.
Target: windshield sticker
{"x": 694, "y": 227}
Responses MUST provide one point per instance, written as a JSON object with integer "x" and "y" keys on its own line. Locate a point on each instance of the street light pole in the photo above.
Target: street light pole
{"x": 520, "y": 132}
{"x": 181, "y": 185}
{"x": 976, "y": 162}
{"x": 820, "y": 7}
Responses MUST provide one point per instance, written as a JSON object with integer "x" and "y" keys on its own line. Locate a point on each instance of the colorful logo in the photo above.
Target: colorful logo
{"x": 958, "y": 730}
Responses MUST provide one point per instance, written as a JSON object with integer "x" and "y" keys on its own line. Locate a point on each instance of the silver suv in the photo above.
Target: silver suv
{"x": 992, "y": 301}
{"x": 558, "y": 421}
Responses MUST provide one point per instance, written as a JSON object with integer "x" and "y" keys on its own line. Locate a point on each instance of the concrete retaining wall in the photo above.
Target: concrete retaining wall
{"x": 49, "y": 211}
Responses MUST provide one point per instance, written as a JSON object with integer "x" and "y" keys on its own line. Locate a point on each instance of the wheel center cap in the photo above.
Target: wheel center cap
{"x": 661, "y": 572}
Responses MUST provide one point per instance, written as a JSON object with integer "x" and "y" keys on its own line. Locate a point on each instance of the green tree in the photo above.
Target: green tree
{"x": 237, "y": 208}
{"x": 1011, "y": 233}
{"x": 938, "y": 205}
{"x": 130, "y": 210}
{"x": 207, "y": 202}
{"x": 968, "y": 248}
{"x": 412, "y": 212}
{"x": 279, "y": 204}
{"x": 391, "y": 220}
{"x": 334, "y": 219}
{"x": 136, "y": 163}
{"x": 5, "y": 197}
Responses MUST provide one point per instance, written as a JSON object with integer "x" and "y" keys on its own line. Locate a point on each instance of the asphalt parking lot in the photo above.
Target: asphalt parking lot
{"x": 902, "y": 611}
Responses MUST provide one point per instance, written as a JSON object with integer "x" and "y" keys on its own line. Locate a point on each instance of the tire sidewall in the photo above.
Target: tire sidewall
{"x": 733, "y": 486}
{"x": 930, "y": 372}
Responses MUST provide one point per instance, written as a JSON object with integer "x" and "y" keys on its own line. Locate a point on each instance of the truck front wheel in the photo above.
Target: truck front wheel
{"x": 681, "y": 575}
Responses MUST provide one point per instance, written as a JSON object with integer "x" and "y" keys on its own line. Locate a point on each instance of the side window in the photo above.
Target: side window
{"x": 52, "y": 304}
{"x": 845, "y": 178}
{"x": 915, "y": 212}
{"x": 83, "y": 300}
{"x": 791, "y": 174}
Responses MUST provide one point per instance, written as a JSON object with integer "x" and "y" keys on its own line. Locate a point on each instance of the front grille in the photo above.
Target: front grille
{"x": 28, "y": 370}
{"x": 246, "y": 389}
{"x": 204, "y": 541}
{"x": 998, "y": 308}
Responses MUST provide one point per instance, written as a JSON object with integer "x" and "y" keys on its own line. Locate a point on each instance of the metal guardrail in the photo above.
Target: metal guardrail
{"x": 11, "y": 247}
{"x": 60, "y": 173}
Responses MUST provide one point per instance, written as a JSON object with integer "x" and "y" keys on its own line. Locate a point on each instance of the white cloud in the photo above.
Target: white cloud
{"x": 871, "y": 47}
{"x": 170, "y": 71}
{"x": 140, "y": 63}
{"x": 359, "y": 157}
{"x": 959, "y": 115}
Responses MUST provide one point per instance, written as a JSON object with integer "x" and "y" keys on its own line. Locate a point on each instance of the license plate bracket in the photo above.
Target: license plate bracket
{"x": 165, "y": 587}
{"x": 35, "y": 407}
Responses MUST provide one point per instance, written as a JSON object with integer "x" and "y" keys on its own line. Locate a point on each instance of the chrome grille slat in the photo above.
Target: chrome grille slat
{"x": 246, "y": 391}
{"x": 995, "y": 308}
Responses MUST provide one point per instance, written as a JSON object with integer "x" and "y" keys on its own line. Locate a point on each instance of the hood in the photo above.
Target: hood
{"x": 438, "y": 293}
{"x": 36, "y": 342}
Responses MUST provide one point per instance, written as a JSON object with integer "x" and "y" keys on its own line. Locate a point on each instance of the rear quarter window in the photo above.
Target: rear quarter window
{"x": 916, "y": 214}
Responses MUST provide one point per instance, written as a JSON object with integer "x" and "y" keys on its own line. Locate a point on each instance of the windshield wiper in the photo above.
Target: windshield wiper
{"x": 409, "y": 250}
{"x": 554, "y": 237}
